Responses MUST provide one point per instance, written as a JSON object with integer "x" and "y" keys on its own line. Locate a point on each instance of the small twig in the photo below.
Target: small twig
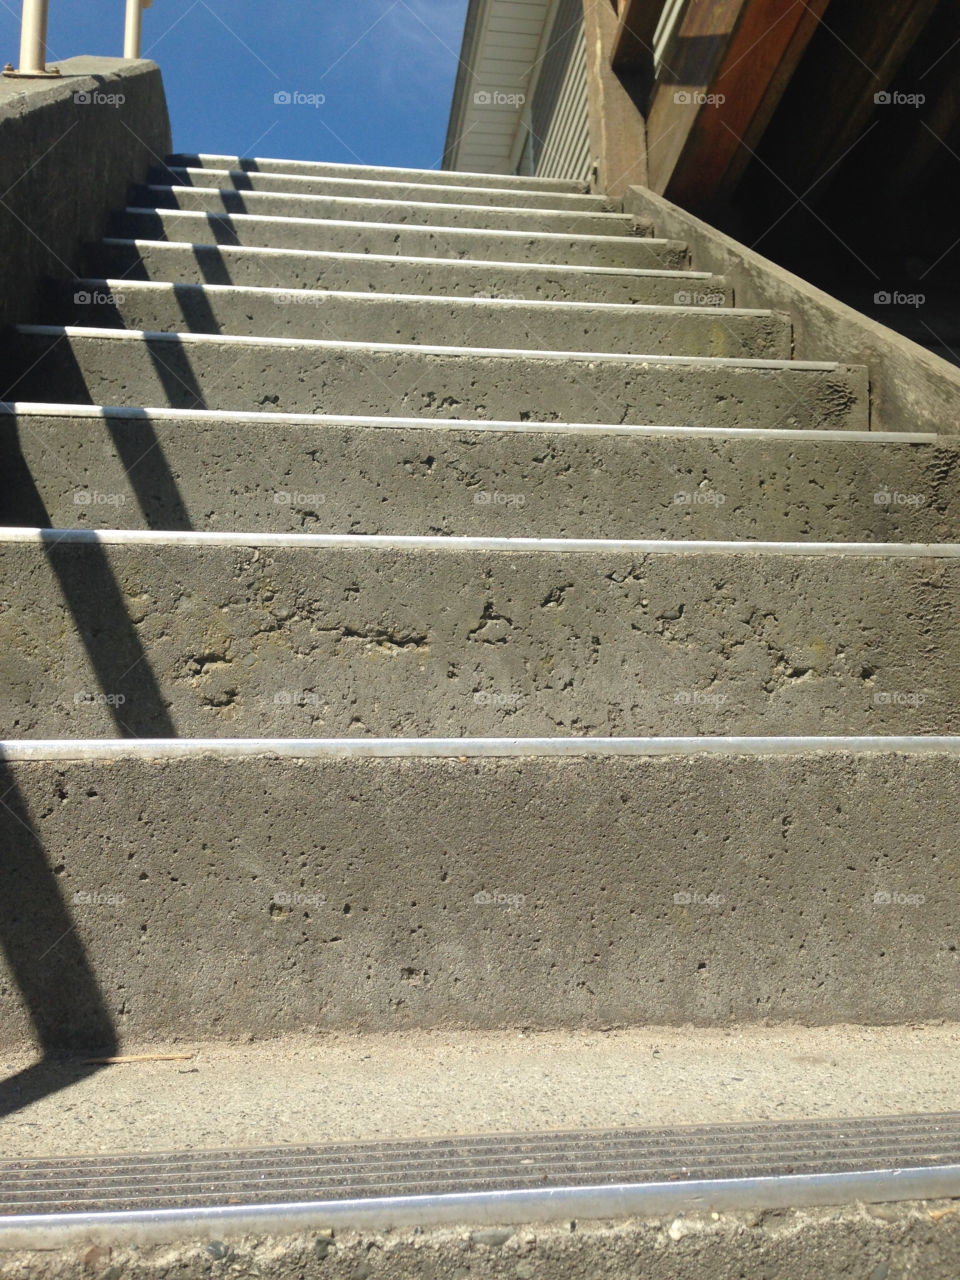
{"x": 138, "y": 1057}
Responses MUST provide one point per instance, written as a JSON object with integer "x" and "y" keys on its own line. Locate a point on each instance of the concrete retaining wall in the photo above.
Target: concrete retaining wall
{"x": 69, "y": 148}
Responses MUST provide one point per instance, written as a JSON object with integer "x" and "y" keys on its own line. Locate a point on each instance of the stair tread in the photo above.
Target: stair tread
{"x": 498, "y": 233}
{"x": 498, "y": 217}
{"x": 426, "y": 319}
{"x": 625, "y": 309}
{"x": 321, "y": 168}
{"x": 436, "y": 1084}
{"x": 399, "y": 238}
{"x": 488, "y": 264}
{"x": 187, "y": 369}
{"x": 453, "y": 542}
{"x": 348, "y": 185}
{"x": 55, "y": 409}
{"x": 89, "y": 332}
{"x": 21, "y": 750}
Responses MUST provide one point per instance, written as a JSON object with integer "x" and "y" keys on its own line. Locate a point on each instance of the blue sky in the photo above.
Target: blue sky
{"x": 385, "y": 69}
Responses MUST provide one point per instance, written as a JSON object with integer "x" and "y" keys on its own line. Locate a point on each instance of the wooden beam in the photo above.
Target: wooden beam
{"x": 633, "y": 40}
{"x": 618, "y": 136}
{"x": 691, "y": 62}
{"x": 833, "y": 95}
{"x": 761, "y": 57}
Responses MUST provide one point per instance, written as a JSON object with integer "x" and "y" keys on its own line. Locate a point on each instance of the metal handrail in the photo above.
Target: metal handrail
{"x": 33, "y": 37}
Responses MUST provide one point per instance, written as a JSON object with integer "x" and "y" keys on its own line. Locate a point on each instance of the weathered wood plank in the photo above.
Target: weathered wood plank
{"x": 762, "y": 56}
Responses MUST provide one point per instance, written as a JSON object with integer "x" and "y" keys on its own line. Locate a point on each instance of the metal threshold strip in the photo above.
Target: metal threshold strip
{"x": 488, "y": 1179}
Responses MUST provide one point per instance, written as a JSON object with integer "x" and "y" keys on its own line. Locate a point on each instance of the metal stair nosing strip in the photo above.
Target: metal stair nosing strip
{"x": 489, "y": 1179}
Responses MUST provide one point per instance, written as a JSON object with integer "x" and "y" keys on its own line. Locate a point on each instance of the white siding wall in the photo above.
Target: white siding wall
{"x": 566, "y": 146}
{"x": 559, "y": 118}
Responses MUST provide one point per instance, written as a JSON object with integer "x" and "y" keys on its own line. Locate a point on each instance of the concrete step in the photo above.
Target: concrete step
{"x": 296, "y": 269}
{"x": 449, "y": 192}
{"x": 104, "y": 366}
{"x": 677, "y": 1119}
{"x": 406, "y": 318}
{"x": 395, "y": 211}
{"x": 400, "y": 239}
{"x": 76, "y": 465}
{"x": 433, "y": 1084}
{"x": 377, "y": 886}
{"x": 225, "y": 635}
{"x": 372, "y": 173}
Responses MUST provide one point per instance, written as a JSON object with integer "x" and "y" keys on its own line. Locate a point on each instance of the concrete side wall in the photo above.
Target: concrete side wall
{"x": 912, "y": 389}
{"x": 69, "y": 148}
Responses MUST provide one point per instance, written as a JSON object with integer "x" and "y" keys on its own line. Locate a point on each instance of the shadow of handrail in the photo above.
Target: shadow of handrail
{"x": 44, "y": 954}
{"x": 47, "y": 960}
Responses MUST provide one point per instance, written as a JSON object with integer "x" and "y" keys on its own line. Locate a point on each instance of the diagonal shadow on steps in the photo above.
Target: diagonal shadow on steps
{"x": 97, "y": 606}
{"x": 46, "y": 958}
{"x": 136, "y": 441}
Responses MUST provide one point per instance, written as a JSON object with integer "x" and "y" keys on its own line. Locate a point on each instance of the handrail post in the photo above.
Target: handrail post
{"x": 33, "y": 48}
{"x": 133, "y": 33}
{"x": 33, "y": 41}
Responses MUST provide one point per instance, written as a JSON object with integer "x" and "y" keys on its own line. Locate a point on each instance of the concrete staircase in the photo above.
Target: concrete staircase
{"x": 430, "y": 604}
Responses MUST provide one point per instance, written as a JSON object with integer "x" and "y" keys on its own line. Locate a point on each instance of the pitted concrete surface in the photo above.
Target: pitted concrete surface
{"x": 388, "y": 208}
{"x": 881, "y": 1242}
{"x": 355, "y": 640}
{"x": 447, "y": 188}
{"x": 388, "y": 894}
{"x": 303, "y": 1090}
{"x": 404, "y": 239}
{"x": 217, "y": 373}
{"x": 293, "y": 269}
{"x": 323, "y": 170}
{"x": 704, "y": 331}
{"x": 320, "y": 476}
